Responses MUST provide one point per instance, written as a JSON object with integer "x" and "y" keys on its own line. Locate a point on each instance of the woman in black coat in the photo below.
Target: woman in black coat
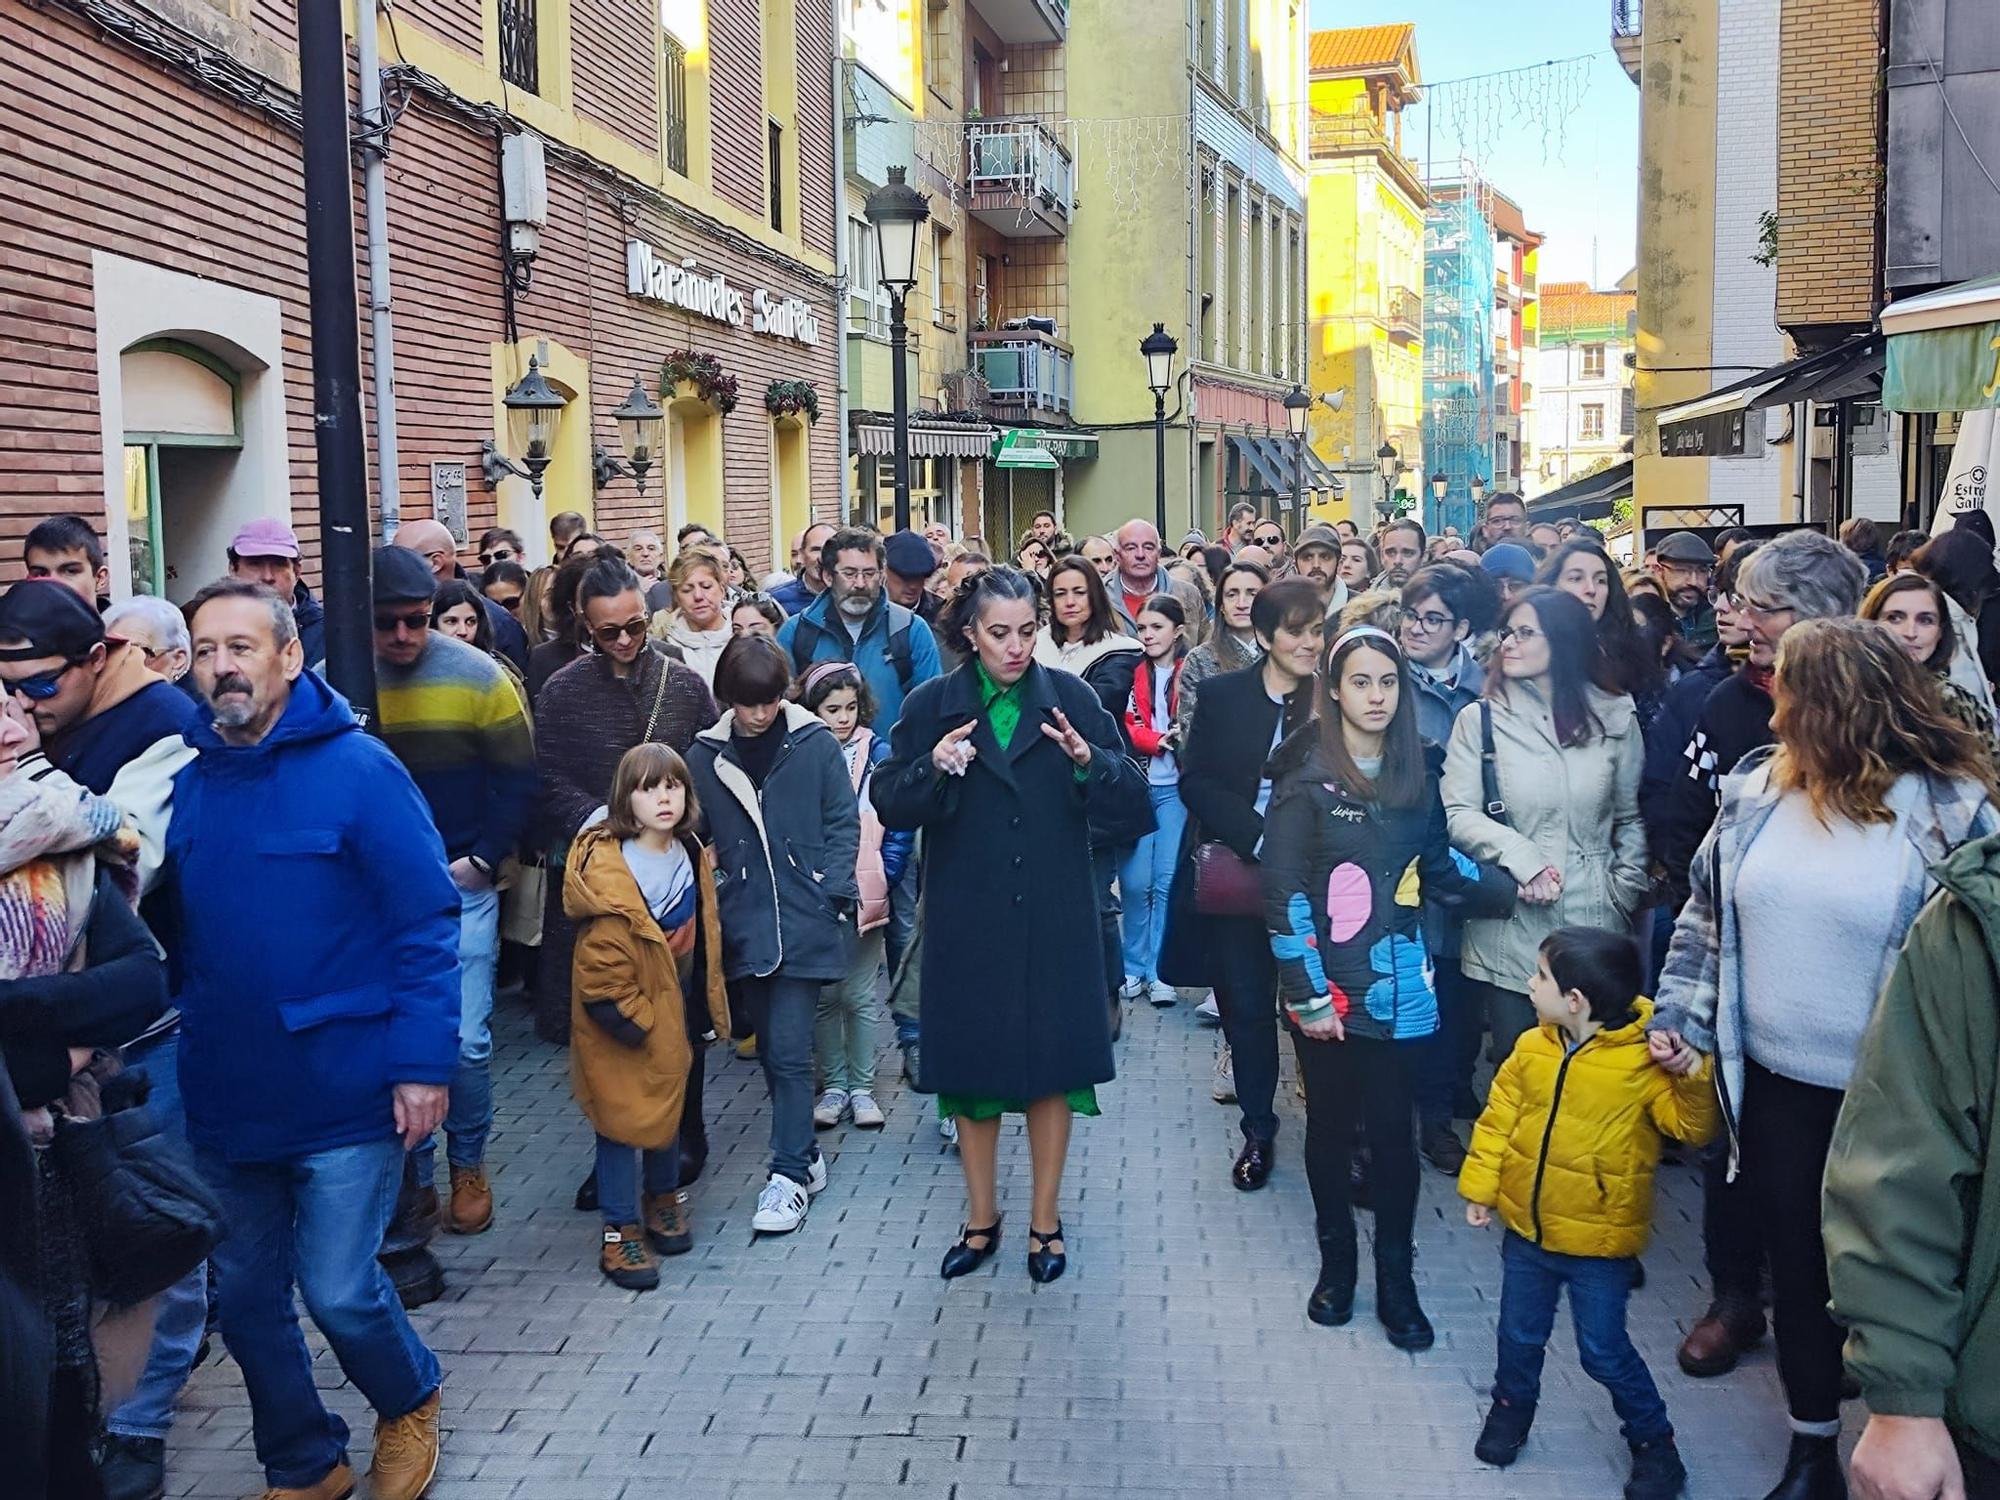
{"x": 1004, "y": 764}
{"x": 1239, "y": 720}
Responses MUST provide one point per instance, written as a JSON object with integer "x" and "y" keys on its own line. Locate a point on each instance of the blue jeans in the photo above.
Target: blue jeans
{"x": 469, "y": 1117}
{"x": 901, "y": 930}
{"x": 1144, "y": 879}
{"x": 313, "y": 1224}
{"x": 783, "y": 1010}
{"x": 183, "y": 1308}
{"x": 1532, "y": 1280}
{"x": 618, "y": 1179}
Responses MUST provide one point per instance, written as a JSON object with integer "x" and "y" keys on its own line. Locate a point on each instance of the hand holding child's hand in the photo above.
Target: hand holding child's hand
{"x": 1478, "y": 1215}
{"x": 1671, "y": 1051}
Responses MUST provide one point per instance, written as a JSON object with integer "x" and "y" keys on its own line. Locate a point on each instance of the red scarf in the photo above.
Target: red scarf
{"x": 1148, "y": 740}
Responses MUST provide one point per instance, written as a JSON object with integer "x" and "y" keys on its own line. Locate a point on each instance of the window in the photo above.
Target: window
{"x": 1593, "y": 422}
{"x": 1628, "y": 413}
{"x": 942, "y": 312}
{"x": 674, "y": 104}
{"x": 775, "y": 146}
{"x": 1593, "y": 361}
{"x": 520, "y": 45}
{"x": 1230, "y": 345}
{"x": 1206, "y": 268}
{"x": 931, "y": 486}
{"x": 867, "y": 302}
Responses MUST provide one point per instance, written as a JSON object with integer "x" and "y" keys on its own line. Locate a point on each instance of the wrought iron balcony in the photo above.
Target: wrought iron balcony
{"x": 1025, "y": 22}
{"x": 1029, "y": 376}
{"x": 1406, "y": 315}
{"x": 1627, "y": 25}
{"x": 1020, "y": 179}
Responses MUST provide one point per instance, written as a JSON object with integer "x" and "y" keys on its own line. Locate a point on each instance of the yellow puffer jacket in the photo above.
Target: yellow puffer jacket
{"x": 1568, "y": 1142}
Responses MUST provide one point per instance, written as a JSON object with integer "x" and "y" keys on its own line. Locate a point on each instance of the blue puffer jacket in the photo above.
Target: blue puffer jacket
{"x": 319, "y": 935}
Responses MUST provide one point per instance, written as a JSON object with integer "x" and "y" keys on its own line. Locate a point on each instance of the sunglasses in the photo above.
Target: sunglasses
{"x": 498, "y": 554}
{"x": 419, "y": 619}
{"x": 631, "y": 630}
{"x": 1270, "y": 539}
{"x": 43, "y": 685}
{"x": 512, "y": 606}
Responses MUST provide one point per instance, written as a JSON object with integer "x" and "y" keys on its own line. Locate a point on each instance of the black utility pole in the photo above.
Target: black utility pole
{"x": 1160, "y": 464}
{"x": 338, "y": 436}
{"x": 899, "y": 391}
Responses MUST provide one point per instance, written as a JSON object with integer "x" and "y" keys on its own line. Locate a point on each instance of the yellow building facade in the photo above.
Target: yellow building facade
{"x": 1365, "y": 260}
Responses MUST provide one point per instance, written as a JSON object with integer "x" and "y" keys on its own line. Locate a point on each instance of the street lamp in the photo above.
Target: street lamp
{"x": 534, "y": 412}
{"x": 1298, "y": 406}
{"x": 1478, "y": 488}
{"x": 1389, "y": 463}
{"x": 898, "y": 212}
{"x": 640, "y": 421}
{"x": 1159, "y": 349}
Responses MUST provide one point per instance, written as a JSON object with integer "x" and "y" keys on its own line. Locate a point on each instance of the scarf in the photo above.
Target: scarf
{"x": 49, "y": 827}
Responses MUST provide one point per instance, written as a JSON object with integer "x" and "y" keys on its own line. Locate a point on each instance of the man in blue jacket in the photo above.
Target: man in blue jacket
{"x": 854, "y": 621}
{"x": 319, "y": 1001}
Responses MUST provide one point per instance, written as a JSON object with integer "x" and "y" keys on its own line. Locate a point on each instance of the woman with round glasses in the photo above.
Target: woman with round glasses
{"x": 1556, "y": 806}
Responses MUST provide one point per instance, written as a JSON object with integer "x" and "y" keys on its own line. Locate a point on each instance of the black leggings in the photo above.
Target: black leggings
{"x": 1348, "y": 1083}
{"x": 1787, "y": 1129}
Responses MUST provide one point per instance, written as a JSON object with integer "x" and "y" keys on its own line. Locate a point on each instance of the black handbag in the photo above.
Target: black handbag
{"x": 146, "y": 1215}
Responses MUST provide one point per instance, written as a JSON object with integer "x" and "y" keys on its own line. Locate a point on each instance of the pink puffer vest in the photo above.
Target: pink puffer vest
{"x": 869, "y": 875}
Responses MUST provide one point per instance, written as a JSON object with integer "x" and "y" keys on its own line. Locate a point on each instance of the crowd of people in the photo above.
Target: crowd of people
{"x": 1701, "y": 854}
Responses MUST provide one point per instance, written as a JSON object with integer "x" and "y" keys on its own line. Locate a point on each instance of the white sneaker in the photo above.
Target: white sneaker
{"x": 832, "y": 1105}
{"x": 781, "y": 1207}
{"x": 1224, "y": 1091}
{"x": 1134, "y": 988}
{"x": 1161, "y": 993}
{"x": 867, "y": 1113}
{"x": 816, "y": 1172}
{"x": 948, "y": 1128}
{"x": 1208, "y": 1012}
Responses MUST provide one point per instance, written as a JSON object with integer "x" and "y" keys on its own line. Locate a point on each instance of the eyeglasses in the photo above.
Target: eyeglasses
{"x": 1522, "y": 633}
{"x": 858, "y": 577}
{"x": 609, "y": 635}
{"x": 1431, "y": 621}
{"x": 415, "y": 620}
{"x": 498, "y": 554}
{"x": 1271, "y": 539}
{"x": 1764, "y": 611}
{"x": 43, "y": 685}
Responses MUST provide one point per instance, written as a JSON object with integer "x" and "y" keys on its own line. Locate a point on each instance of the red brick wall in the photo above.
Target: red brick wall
{"x": 736, "y": 102}
{"x": 454, "y": 21}
{"x": 815, "y": 123}
{"x": 615, "y": 56}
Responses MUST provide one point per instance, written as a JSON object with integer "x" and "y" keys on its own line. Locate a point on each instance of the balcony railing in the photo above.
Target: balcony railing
{"x": 1021, "y": 179}
{"x": 1027, "y": 374}
{"x": 1627, "y": 17}
{"x": 1406, "y": 315}
{"x": 674, "y": 104}
{"x": 1333, "y": 135}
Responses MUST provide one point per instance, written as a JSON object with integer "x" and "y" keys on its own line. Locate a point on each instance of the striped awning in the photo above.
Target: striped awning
{"x": 927, "y": 439}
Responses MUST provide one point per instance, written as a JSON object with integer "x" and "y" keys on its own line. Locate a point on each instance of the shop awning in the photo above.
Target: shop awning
{"x": 1271, "y": 473}
{"x": 1022, "y": 448}
{"x": 1944, "y": 349}
{"x": 1586, "y": 499}
{"x": 1069, "y": 446}
{"x": 1715, "y": 425}
{"x": 927, "y": 439}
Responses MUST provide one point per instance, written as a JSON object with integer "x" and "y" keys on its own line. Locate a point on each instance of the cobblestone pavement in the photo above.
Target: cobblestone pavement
{"x": 1174, "y": 1358}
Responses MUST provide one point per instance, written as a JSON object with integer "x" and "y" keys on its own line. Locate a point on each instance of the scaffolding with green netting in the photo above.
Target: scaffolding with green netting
{"x": 1458, "y": 353}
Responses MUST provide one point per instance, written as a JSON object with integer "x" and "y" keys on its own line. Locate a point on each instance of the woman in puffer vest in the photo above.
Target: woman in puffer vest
{"x": 848, "y": 1026}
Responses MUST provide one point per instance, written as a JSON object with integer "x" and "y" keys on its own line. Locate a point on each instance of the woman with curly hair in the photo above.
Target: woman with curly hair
{"x": 1819, "y": 860}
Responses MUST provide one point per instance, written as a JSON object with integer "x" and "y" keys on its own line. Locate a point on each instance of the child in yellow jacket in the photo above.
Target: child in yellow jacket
{"x": 1566, "y": 1150}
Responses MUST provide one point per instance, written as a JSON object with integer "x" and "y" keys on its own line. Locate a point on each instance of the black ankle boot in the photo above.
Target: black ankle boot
{"x": 1396, "y": 1305}
{"x": 1332, "y": 1301}
{"x": 1812, "y": 1471}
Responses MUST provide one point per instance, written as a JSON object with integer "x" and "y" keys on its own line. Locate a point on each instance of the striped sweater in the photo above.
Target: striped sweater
{"x": 455, "y": 721}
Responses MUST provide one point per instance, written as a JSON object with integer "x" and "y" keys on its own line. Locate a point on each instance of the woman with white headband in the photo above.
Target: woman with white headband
{"x": 1354, "y": 840}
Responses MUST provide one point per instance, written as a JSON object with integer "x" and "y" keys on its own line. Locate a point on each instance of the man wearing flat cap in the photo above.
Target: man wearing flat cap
{"x": 1684, "y": 564}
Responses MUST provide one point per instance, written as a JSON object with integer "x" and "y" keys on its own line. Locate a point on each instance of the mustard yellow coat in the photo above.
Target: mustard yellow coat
{"x": 634, "y": 1095}
{"x": 1569, "y": 1140}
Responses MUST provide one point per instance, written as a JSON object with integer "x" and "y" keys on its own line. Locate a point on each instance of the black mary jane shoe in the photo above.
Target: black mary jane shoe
{"x": 1044, "y": 1264}
{"x": 964, "y": 1258}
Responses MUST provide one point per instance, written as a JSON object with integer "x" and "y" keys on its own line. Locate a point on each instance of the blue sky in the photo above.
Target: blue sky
{"x": 1562, "y": 143}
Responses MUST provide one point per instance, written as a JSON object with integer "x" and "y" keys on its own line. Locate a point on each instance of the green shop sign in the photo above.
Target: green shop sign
{"x": 1943, "y": 369}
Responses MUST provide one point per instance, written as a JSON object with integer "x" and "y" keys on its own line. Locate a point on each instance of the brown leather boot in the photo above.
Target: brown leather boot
{"x": 667, "y": 1228}
{"x": 627, "y": 1260}
{"x": 1718, "y": 1340}
{"x": 471, "y": 1201}
{"x": 338, "y": 1484}
{"x": 406, "y": 1453}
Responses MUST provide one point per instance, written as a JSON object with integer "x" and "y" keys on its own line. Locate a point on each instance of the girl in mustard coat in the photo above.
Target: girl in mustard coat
{"x": 646, "y": 987}
{"x": 1566, "y": 1150}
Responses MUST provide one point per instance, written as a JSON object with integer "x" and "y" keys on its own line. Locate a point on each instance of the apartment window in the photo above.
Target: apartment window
{"x": 520, "y": 45}
{"x": 1592, "y": 430}
{"x": 1204, "y": 36}
{"x": 775, "y": 145}
{"x": 942, "y": 312}
{"x": 1206, "y": 279}
{"x": 1628, "y": 413}
{"x": 867, "y": 302}
{"x": 1593, "y": 361}
{"x": 674, "y": 104}
{"x": 1230, "y": 343}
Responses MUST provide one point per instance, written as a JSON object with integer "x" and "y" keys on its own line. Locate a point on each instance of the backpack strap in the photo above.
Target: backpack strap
{"x": 1489, "y": 764}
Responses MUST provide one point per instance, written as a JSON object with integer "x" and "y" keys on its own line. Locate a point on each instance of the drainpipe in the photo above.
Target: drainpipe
{"x": 839, "y": 269}
{"x": 375, "y": 210}
{"x": 1192, "y": 467}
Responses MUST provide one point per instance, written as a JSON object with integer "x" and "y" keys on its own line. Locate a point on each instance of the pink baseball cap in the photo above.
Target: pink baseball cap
{"x": 265, "y": 537}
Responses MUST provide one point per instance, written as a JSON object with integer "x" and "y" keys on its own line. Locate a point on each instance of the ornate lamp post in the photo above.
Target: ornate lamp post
{"x": 1298, "y": 406}
{"x": 1159, "y": 349}
{"x": 899, "y": 213}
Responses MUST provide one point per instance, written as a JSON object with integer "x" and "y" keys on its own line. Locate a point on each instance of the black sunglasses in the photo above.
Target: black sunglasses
{"x": 419, "y": 619}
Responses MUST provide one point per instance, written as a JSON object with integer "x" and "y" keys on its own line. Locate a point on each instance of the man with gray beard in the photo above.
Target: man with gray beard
{"x": 855, "y": 621}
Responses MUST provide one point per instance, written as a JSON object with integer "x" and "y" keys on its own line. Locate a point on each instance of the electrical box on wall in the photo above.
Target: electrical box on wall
{"x": 524, "y": 192}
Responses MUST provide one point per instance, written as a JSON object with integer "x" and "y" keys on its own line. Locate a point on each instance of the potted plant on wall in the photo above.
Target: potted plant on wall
{"x": 691, "y": 374}
{"x": 788, "y": 398}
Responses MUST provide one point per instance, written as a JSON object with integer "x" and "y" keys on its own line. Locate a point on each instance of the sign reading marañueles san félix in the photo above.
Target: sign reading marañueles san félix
{"x": 708, "y": 294}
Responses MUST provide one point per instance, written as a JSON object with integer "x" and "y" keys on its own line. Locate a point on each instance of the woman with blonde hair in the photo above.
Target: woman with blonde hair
{"x": 1819, "y": 860}
{"x": 699, "y": 621}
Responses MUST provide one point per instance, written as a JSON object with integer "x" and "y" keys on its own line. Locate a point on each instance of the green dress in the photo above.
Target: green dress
{"x": 1003, "y": 715}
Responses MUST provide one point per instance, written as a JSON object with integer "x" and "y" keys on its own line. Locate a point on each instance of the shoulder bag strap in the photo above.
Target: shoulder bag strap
{"x": 659, "y": 697}
{"x": 1489, "y": 764}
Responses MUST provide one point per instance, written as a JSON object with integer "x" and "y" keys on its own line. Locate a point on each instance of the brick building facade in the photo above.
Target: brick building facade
{"x": 152, "y": 276}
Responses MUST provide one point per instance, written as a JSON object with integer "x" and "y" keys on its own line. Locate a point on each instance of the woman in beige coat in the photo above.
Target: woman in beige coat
{"x": 1565, "y": 777}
